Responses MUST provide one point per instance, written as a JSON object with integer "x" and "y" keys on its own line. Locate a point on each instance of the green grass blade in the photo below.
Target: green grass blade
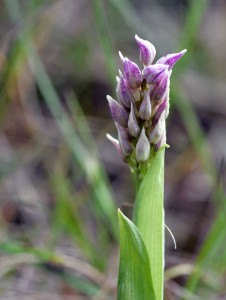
{"x": 210, "y": 255}
{"x": 149, "y": 218}
{"x": 192, "y": 24}
{"x": 178, "y": 99}
{"x": 134, "y": 280}
{"x": 88, "y": 162}
{"x": 104, "y": 38}
{"x": 194, "y": 130}
{"x": 129, "y": 15}
{"x": 44, "y": 258}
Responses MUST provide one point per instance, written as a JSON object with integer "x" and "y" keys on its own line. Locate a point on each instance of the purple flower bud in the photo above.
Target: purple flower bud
{"x": 147, "y": 51}
{"x": 118, "y": 112}
{"x": 152, "y": 73}
{"x": 115, "y": 142}
{"x": 171, "y": 59}
{"x": 133, "y": 126}
{"x": 132, "y": 73}
{"x": 123, "y": 138}
{"x": 123, "y": 92}
{"x": 142, "y": 147}
{"x": 145, "y": 107}
{"x": 160, "y": 88}
{"x": 160, "y": 109}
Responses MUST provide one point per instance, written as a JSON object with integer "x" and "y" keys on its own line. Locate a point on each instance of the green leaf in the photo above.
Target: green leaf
{"x": 134, "y": 280}
{"x": 149, "y": 218}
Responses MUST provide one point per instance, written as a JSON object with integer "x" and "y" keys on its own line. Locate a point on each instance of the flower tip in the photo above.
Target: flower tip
{"x": 109, "y": 98}
{"x": 120, "y": 73}
{"x": 121, "y": 56}
{"x": 116, "y": 144}
{"x": 111, "y": 139}
{"x": 181, "y": 53}
{"x": 171, "y": 59}
{"x": 137, "y": 38}
{"x": 126, "y": 59}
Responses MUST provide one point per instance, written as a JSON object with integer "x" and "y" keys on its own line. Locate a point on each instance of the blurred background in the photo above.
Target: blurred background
{"x": 61, "y": 181}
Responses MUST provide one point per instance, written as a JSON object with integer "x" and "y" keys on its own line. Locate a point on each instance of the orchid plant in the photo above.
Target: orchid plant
{"x": 139, "y": 116}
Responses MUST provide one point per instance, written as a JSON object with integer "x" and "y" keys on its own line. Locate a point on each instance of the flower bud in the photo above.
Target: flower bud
{"x": 145, "y": 107}
{"x": 161, "y": 108}
{"x": 132, "y": 74}
{"x": 118, "y": 112}
{"x": 123, "y": 92}
{"x": 142, "y": 147}
{"x": 123, "y": 138}
{"x": 152, "y": 73}
{"x": 171, "y": 59}
{"x": 160, "y": 88}
{"x": 147, "y": 51}
{"x": 115, "y": 142}
{"x": 156, "y": 133}
{"x": 133, "y": 126}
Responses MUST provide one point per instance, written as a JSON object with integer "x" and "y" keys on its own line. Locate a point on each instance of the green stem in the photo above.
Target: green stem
{"x": 148, "y": 216}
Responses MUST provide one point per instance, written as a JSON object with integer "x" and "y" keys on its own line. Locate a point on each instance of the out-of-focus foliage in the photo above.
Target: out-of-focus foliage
{"x": 62, "y": 181}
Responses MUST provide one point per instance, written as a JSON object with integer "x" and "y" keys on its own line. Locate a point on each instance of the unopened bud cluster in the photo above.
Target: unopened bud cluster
{"x": 142, "y": 106}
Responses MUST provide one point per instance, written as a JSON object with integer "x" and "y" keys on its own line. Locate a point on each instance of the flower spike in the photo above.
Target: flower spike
{"x": 142, "y": 106}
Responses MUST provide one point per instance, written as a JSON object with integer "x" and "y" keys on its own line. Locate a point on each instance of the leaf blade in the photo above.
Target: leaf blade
{"x": 134, "y": 280}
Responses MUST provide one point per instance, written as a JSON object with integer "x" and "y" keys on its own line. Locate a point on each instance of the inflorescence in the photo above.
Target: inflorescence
{"x": 142, "y": 106}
